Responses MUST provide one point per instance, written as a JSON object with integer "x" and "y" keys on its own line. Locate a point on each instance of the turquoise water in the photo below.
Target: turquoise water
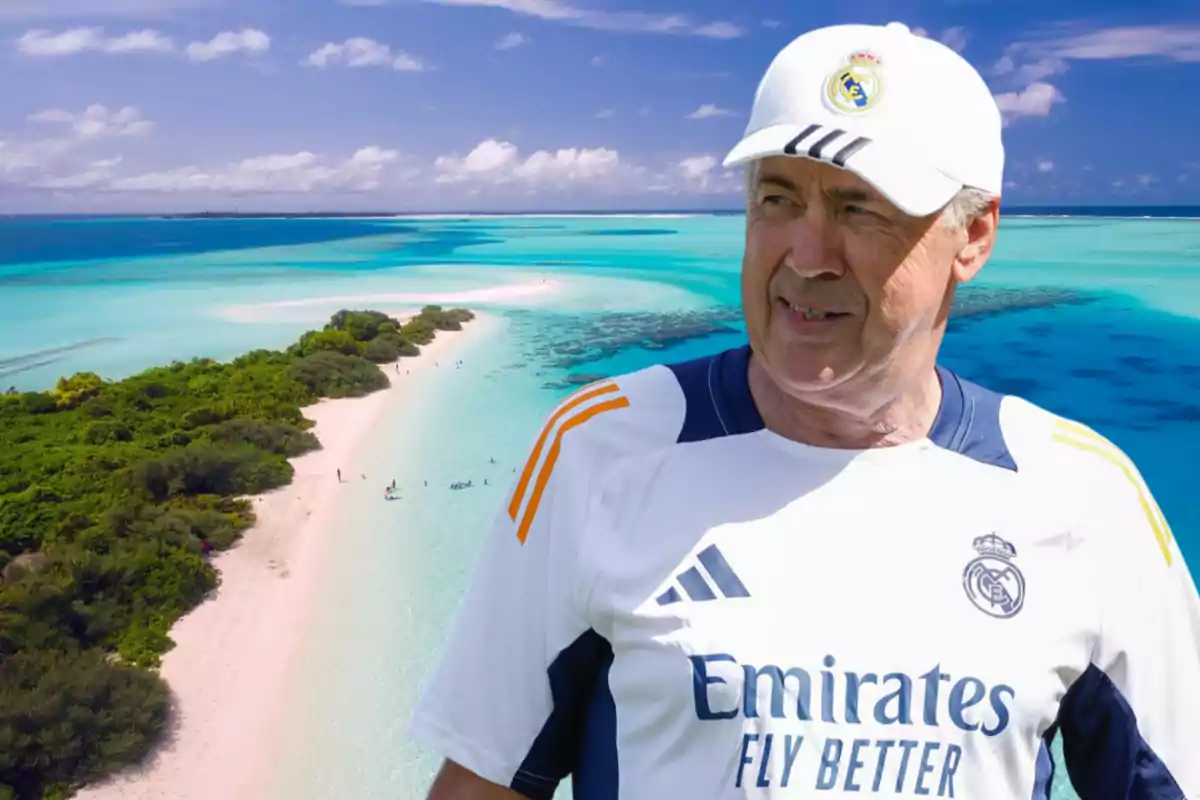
{"x": 1095, "y": 319}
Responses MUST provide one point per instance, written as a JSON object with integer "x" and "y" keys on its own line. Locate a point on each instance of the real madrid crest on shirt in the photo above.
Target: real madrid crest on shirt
{"x": 992, "y": 581}
{"x": 857, "y": 86}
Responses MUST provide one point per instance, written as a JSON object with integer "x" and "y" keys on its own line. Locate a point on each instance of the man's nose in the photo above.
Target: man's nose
{"x": 815, "y": 246}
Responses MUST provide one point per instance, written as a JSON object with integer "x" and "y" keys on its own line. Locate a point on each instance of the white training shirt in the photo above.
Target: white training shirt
{"x": 675, "y": 602}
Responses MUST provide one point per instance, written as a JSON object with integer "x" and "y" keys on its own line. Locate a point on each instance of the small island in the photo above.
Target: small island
{"x": 113, "y": 494}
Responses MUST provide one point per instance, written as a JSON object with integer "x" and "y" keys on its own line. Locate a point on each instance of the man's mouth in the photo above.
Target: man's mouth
{"x": 811, "y": 313}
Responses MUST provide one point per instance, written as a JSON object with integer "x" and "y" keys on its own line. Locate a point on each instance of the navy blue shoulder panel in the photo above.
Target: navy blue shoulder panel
{"x": 968, "y": 422}
{"x": 580, "y": 736}
{"x": 1104, "y": 752}
{"x": 717, "y": 392}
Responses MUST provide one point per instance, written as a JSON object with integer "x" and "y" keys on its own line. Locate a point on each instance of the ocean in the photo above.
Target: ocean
{"x": 1093, "y": 316}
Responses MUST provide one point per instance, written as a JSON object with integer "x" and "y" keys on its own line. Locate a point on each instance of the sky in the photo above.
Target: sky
{"x": 510, "y": 105}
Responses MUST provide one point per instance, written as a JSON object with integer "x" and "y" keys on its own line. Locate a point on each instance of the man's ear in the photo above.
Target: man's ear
{"x": 979, "y": 240}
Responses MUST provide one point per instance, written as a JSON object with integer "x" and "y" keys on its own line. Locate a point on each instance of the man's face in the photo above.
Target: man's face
{"x": 838, "y": 285}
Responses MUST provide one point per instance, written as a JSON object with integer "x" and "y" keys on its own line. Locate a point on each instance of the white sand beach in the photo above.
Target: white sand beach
{"x": 228, "y": 670}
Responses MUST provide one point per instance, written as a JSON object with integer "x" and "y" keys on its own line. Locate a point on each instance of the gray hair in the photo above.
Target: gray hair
{"x": 967, "y": 204}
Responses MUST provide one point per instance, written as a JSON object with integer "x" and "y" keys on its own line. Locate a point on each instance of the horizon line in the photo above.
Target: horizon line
{"x": 532, "y": 212}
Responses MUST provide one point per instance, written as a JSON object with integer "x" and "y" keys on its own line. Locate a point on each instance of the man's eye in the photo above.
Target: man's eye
{"x": 775, "y": 200}
{"x": 866, "y": 213}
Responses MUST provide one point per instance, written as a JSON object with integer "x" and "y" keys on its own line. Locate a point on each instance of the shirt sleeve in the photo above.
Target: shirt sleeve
{"x": 509, "y": 696}
{"x": 1130, "y": 724}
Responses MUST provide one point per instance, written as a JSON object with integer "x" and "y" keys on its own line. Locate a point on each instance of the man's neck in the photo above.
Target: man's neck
{"x": 904, "y": 416}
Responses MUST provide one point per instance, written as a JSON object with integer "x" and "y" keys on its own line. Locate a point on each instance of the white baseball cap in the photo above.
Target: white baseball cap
{"x": 905, "y": 113}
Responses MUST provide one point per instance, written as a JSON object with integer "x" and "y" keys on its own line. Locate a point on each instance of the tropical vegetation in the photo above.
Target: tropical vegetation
{"x": 112, "y": 495}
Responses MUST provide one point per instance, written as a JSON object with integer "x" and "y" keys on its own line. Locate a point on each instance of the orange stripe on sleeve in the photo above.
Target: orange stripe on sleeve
{"x": 583, "y": 396}
{"x": 552, "y": 457}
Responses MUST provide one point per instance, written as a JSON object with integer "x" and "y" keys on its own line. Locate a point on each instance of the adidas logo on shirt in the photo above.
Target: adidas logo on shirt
{"x": 711, "y": 579}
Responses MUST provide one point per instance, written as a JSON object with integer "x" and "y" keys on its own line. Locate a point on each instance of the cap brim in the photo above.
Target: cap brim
{"x": 911, "y": 185}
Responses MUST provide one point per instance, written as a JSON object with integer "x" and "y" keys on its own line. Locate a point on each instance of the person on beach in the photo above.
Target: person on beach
{"x": 822, "y": 562}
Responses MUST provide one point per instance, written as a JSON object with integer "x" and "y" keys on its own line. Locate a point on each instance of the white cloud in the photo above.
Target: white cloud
{"x": 1039, "y": 57}
{"x": 143, "y": 41}
{"x": 701, "y": 174}
{"x": 606, "y": 113}
{"x": 59, "y": 150}
{"x": 497, "y": 162}
{"x": 1042, "y": 68}
{"x": 21, "y": 156}
{"x": 94, "y": 175}
{"x": 42, "y": 42}
{"x": 955, "y": 38}
{"x": 403, "y": 62}
{"x": 598, "y": 61}
{"x": 285, "y": 173}
{"x": 499, "y": 166}
{"x": 60, "y": 153}
{"x": 1174, "y": 42}
{"x": 73, "y": 41}
{"x": 697, "y": 167}
{"x": 1031, "y": 71}
{"x": 1146, "y": 180}
{"x": 568, "y": 164}
{"x": 97, "y": 120}
{"x": 511, "y": 40}
{"x": 362, "y": 52}
{"x": 626, "y": 21}
{"x": 1035, "y": 100}
{"x": 708, "y": 110}
{"x": 719, "y": 30}
{"x": 1045, "y": 166}
{"x": 771, "y": 23}
{"x": 248, "y": 40}
{"x": 69, "y": 42}
{"x": 490, "y": 157}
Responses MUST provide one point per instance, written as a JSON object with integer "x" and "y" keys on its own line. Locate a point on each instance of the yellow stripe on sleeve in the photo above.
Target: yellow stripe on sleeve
{"x": 1088, "y": 433}
{"x": 1100, "y": 446}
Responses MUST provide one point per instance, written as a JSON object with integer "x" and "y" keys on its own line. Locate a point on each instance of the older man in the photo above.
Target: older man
{"x": 821, "y": 564}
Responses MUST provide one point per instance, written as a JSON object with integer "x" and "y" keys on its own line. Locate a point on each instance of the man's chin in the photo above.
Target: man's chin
{"x": 808, "y": 375}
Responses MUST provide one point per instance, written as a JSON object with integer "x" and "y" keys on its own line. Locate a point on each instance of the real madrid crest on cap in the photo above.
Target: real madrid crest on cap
{"x": 992, "y": 582}
{"x": 856, "y": 86}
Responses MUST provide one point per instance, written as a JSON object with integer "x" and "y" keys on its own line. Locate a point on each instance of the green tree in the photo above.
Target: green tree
{"x": 328, "y": 340}
{"x": 111, "y": 493}
{"x": 72, "y": 391}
